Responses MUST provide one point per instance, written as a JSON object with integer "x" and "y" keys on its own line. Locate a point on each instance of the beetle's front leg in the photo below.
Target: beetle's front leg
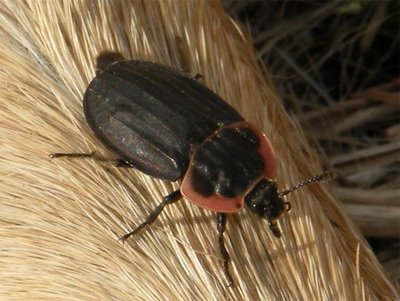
{"x": 221, "y": 225}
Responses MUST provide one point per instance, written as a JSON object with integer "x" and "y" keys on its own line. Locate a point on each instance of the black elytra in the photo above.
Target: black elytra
{"x": 167, "y": 125}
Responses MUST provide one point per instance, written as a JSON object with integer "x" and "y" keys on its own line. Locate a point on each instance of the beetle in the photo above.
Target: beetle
{"x": 168, "y": 125}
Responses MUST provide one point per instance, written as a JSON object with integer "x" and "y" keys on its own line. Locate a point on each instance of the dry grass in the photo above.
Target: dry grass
{"x": 336, "y": 66}
{"x": 60, "y": 220}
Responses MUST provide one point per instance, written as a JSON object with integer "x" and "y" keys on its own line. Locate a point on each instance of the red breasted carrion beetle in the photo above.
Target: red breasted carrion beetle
{"x": 166, "y": 124}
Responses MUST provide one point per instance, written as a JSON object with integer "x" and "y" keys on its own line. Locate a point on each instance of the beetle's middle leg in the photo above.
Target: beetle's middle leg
{"x": 93, "y": 156}
{"x": 167, "y": 200}
{"x": 221, "y": 225}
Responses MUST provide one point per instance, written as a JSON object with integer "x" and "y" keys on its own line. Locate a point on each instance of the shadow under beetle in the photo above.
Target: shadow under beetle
{"x": 166, "y": 124}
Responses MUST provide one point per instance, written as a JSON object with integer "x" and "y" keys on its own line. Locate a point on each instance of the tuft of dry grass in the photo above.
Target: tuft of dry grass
{"x": 336, "y": 66}
{"x": 60, "y": 220}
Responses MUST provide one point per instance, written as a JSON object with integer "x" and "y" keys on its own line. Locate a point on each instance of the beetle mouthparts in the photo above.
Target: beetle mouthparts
{"x": 275, "y": 229}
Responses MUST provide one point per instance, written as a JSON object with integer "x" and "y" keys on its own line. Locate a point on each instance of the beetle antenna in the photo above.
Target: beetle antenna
{"x": 326, "y": 176}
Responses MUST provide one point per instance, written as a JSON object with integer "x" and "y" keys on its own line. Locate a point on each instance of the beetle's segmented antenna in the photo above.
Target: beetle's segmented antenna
{"x": 326, "y": 176}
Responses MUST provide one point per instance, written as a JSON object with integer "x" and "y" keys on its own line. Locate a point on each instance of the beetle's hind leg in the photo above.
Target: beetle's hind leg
{"x": 198, "y": 76}
{"x": 93, "y": 156}
{"x": 106, "y": 59}
{"x": 221, "y": 225}
{"x": 167, "y": 200}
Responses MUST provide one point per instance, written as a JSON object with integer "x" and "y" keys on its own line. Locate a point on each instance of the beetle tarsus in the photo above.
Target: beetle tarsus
{"x": 167, "y": 200}
{"x": 221, "y": 225}
{"x": 73, "y": 155}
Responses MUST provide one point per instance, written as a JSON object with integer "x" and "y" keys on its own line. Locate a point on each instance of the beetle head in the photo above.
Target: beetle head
{"x": 266, "y": 201}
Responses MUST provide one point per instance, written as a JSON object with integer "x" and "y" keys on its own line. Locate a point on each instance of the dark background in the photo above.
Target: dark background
{"x": 324, "y": 58}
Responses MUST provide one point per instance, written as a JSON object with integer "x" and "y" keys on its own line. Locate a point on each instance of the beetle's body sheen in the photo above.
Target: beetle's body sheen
{"x": 169, "y": 126}
{"x": 153, "y": 116}
{"x": 160, "y": 121}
